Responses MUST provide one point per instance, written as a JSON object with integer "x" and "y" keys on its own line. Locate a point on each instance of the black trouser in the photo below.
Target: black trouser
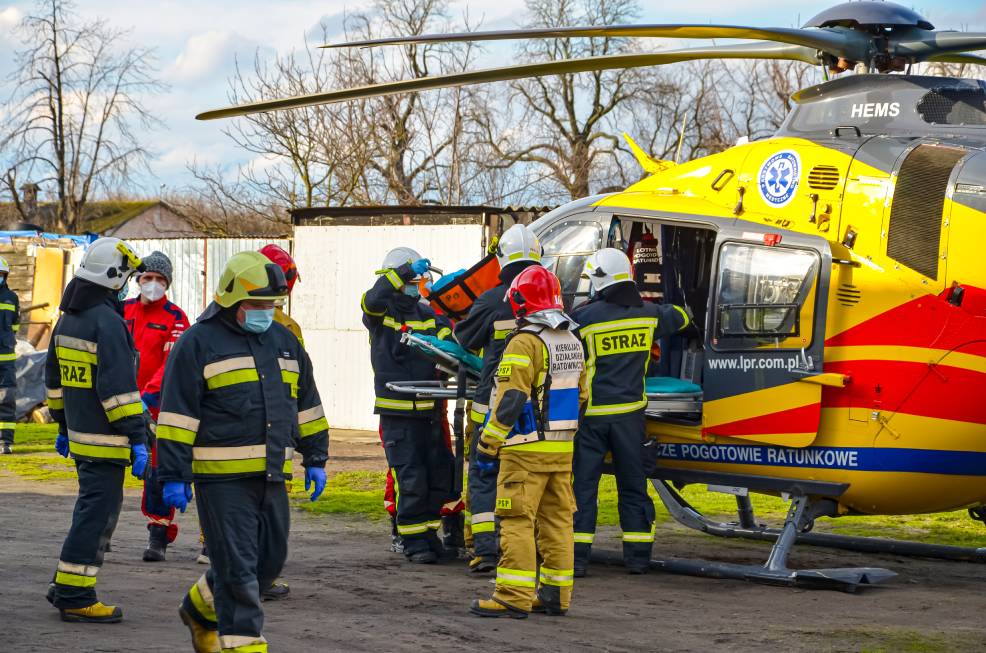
{"x": 93, "y": 521}
{"x": 624, "y": 436}
{"x": 246, "y": 523}
{"x": 424, "y": 472}
{"x": 8, "y": 411}
{"x": 482, "y": 501}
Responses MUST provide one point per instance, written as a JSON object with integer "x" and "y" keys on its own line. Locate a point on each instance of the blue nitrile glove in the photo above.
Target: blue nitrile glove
{"x": 177, "y": 494}
{"x": 420, "y": 266}
{"x": 526, "y": 423}
{"x": 61, "y": 445}
{"x": 485, "y": 461}
{"x": 139, "y": 465}
{"x": 315, "y": 475}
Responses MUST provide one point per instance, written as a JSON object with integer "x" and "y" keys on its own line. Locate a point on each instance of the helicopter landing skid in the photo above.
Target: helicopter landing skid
{"x": 748, "y": 528}
{"x": 775, "y": 570}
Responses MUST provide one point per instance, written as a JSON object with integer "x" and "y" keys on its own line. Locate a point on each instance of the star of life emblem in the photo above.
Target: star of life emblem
{"x": 779, "y": 178}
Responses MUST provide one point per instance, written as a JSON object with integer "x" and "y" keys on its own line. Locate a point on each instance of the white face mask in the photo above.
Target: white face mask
{"x": 152, "y": 290}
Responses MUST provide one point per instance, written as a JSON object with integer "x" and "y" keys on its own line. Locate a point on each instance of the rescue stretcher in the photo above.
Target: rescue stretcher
{"x": 457, "y": 364}
{"x": 672, "y": 397}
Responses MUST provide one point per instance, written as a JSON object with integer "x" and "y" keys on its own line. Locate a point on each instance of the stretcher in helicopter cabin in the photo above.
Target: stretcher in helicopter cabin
{"x": 669, "y": 396}
{"x": 451, "y": 359}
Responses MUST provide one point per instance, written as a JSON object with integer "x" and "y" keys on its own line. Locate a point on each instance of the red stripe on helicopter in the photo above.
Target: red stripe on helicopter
{"x": 928, "y": 321}
{"x": 914, "y": 388}
{"x": 803, "y": 419}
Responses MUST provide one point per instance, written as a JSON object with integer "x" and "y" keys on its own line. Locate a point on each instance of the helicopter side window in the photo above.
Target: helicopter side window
{"x": 765, "y": 297}
{"x": 566, "y": 247}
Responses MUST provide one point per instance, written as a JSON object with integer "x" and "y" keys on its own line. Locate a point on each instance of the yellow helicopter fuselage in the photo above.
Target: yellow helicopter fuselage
{"x": 898, "y": 409}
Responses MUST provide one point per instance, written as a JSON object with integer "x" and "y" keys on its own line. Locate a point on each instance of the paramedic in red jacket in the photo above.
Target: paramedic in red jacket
{"x": 155, "y": 324}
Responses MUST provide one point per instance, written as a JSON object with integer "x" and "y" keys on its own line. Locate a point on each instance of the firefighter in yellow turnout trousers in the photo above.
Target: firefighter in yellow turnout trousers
{"x": 535, "y": 406}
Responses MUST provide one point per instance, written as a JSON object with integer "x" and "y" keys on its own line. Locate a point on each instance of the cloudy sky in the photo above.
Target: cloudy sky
{"x": 197, "y": 42}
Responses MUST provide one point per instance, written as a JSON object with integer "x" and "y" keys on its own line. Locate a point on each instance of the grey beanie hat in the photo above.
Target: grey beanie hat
{"x": 158, "y": 262}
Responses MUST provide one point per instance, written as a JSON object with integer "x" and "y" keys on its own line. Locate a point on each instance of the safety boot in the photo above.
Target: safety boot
{"x": 396, "y": 544}
{"x": 580, "y": 571}
{"x": 5, "y": 449}
{"x": 454, "y": 526}
{"x": 548, "y": 601}
{"x": 275, "y": 592}
{"x": 203, "y": 639}
{"x": 203, "y": 558}
{"x": 494, "y": 608}
{"x": 427, "y": 557}
{"x": 157, "y": 543}
{"x": 97, "y": 613}
{"x": 481, "y": 565}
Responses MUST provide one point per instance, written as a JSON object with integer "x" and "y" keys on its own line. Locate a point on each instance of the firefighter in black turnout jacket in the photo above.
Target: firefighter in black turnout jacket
{"x": 238, "y": 399}
{"x": 411, "y": 428}
{"x": 9, "y": 324}
{"x": 486, "y": 328}
{"x": 91, "y": 382}
{"x": 617, "y": 329}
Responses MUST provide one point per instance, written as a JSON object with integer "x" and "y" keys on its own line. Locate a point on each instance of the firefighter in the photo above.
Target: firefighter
{"x": 155, "y": 324}
{"x": 411, "y": 428}
{"x": 485, "y": 328}
{"x": 10, "y": 322}
{"x": 542, "y": 366}
{"x": 238, "y": 399}
{"x": 277, "y": 255}
{"x": 617, "y": 329}
{"x": 91, "y": 382}
{"x": 284, "y": 260}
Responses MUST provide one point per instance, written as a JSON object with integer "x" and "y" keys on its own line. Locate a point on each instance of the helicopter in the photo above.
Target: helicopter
{"x": 833, "y": 272}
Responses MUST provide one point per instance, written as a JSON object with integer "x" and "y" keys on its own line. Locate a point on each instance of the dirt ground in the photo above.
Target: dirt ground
{"x": 350, "y": 593}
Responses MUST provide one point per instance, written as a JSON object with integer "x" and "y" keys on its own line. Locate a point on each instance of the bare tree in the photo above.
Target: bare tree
{"x": 569, "y": 126}
{"x": 75, "y": 116}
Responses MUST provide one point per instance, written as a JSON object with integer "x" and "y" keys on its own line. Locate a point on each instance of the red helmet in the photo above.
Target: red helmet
{"x": 283, "y": 260}
{"x": 533, "y": 290}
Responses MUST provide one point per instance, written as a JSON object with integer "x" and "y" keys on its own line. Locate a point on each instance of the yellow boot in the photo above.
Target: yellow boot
{"x": 203, "y": 639}
{"x": 97, "y": 613}
{"x": 493, "y": 608}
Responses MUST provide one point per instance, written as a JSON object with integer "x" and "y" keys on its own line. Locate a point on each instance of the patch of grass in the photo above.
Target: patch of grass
{"x": 345, "y": 493}
{"x": 907, "y": 641}
{"x": 35, "y": 458}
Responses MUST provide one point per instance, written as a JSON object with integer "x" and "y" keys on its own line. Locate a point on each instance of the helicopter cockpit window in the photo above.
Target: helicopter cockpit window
{"x": 765, "y": 297}
{"x": 566, "y": 247}
{"x": 953, "y": 106}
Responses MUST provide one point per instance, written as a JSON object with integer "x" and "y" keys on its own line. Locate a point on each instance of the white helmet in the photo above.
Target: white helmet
{"x": 398, "y": 257}
{"x": 4, "y": 266}
{"x": 109, "y": 262}
{"x": 518, "y": 243}
{"x": 606, "y": 267}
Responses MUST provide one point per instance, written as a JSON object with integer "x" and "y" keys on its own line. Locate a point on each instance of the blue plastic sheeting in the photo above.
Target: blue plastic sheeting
{"x": 5, "y": 236}
{"x": 455, "y": 350}
{"x": 670, "y": 385}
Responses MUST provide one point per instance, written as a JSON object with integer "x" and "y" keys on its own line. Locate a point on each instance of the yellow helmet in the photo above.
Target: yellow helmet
{"x": 250, "y": 275}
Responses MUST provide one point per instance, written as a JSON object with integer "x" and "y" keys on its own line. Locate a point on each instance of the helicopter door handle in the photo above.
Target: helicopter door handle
{"x": 837, "y": 131}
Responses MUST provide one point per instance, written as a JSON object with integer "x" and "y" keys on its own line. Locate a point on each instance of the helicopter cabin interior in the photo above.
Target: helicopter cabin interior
{"x": 748, "y": 297}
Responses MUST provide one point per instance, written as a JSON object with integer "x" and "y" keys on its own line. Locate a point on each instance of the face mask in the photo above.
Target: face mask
{"x": 257, "y": 320}
{"x": 123, "y": 292}
{"x": 412, "y": 290}
{"x": 152, "y": 290}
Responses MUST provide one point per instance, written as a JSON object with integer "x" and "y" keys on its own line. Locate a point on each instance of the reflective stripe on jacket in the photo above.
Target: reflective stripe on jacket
{"x": 618, "y": 341}
{"x": 238, "y": 404}
{"x": 387, "y": 313}
{"x": 91, "y": 382}
{"x": 536, "y": 357}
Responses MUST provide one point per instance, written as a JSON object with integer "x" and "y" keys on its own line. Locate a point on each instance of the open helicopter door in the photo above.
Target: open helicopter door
{"x": 764, "y": 337}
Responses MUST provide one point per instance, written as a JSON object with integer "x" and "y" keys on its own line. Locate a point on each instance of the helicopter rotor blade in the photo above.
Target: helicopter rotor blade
{"x": 841, "y": 42}
{"x": 930, "y": 44}
{"x": 763, "y": 50}
{"x": 958, "y": 57}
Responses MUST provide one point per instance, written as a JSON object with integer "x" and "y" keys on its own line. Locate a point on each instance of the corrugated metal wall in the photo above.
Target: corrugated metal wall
{"x": 198, "y": 264}
{"x": 337, "y": 266}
